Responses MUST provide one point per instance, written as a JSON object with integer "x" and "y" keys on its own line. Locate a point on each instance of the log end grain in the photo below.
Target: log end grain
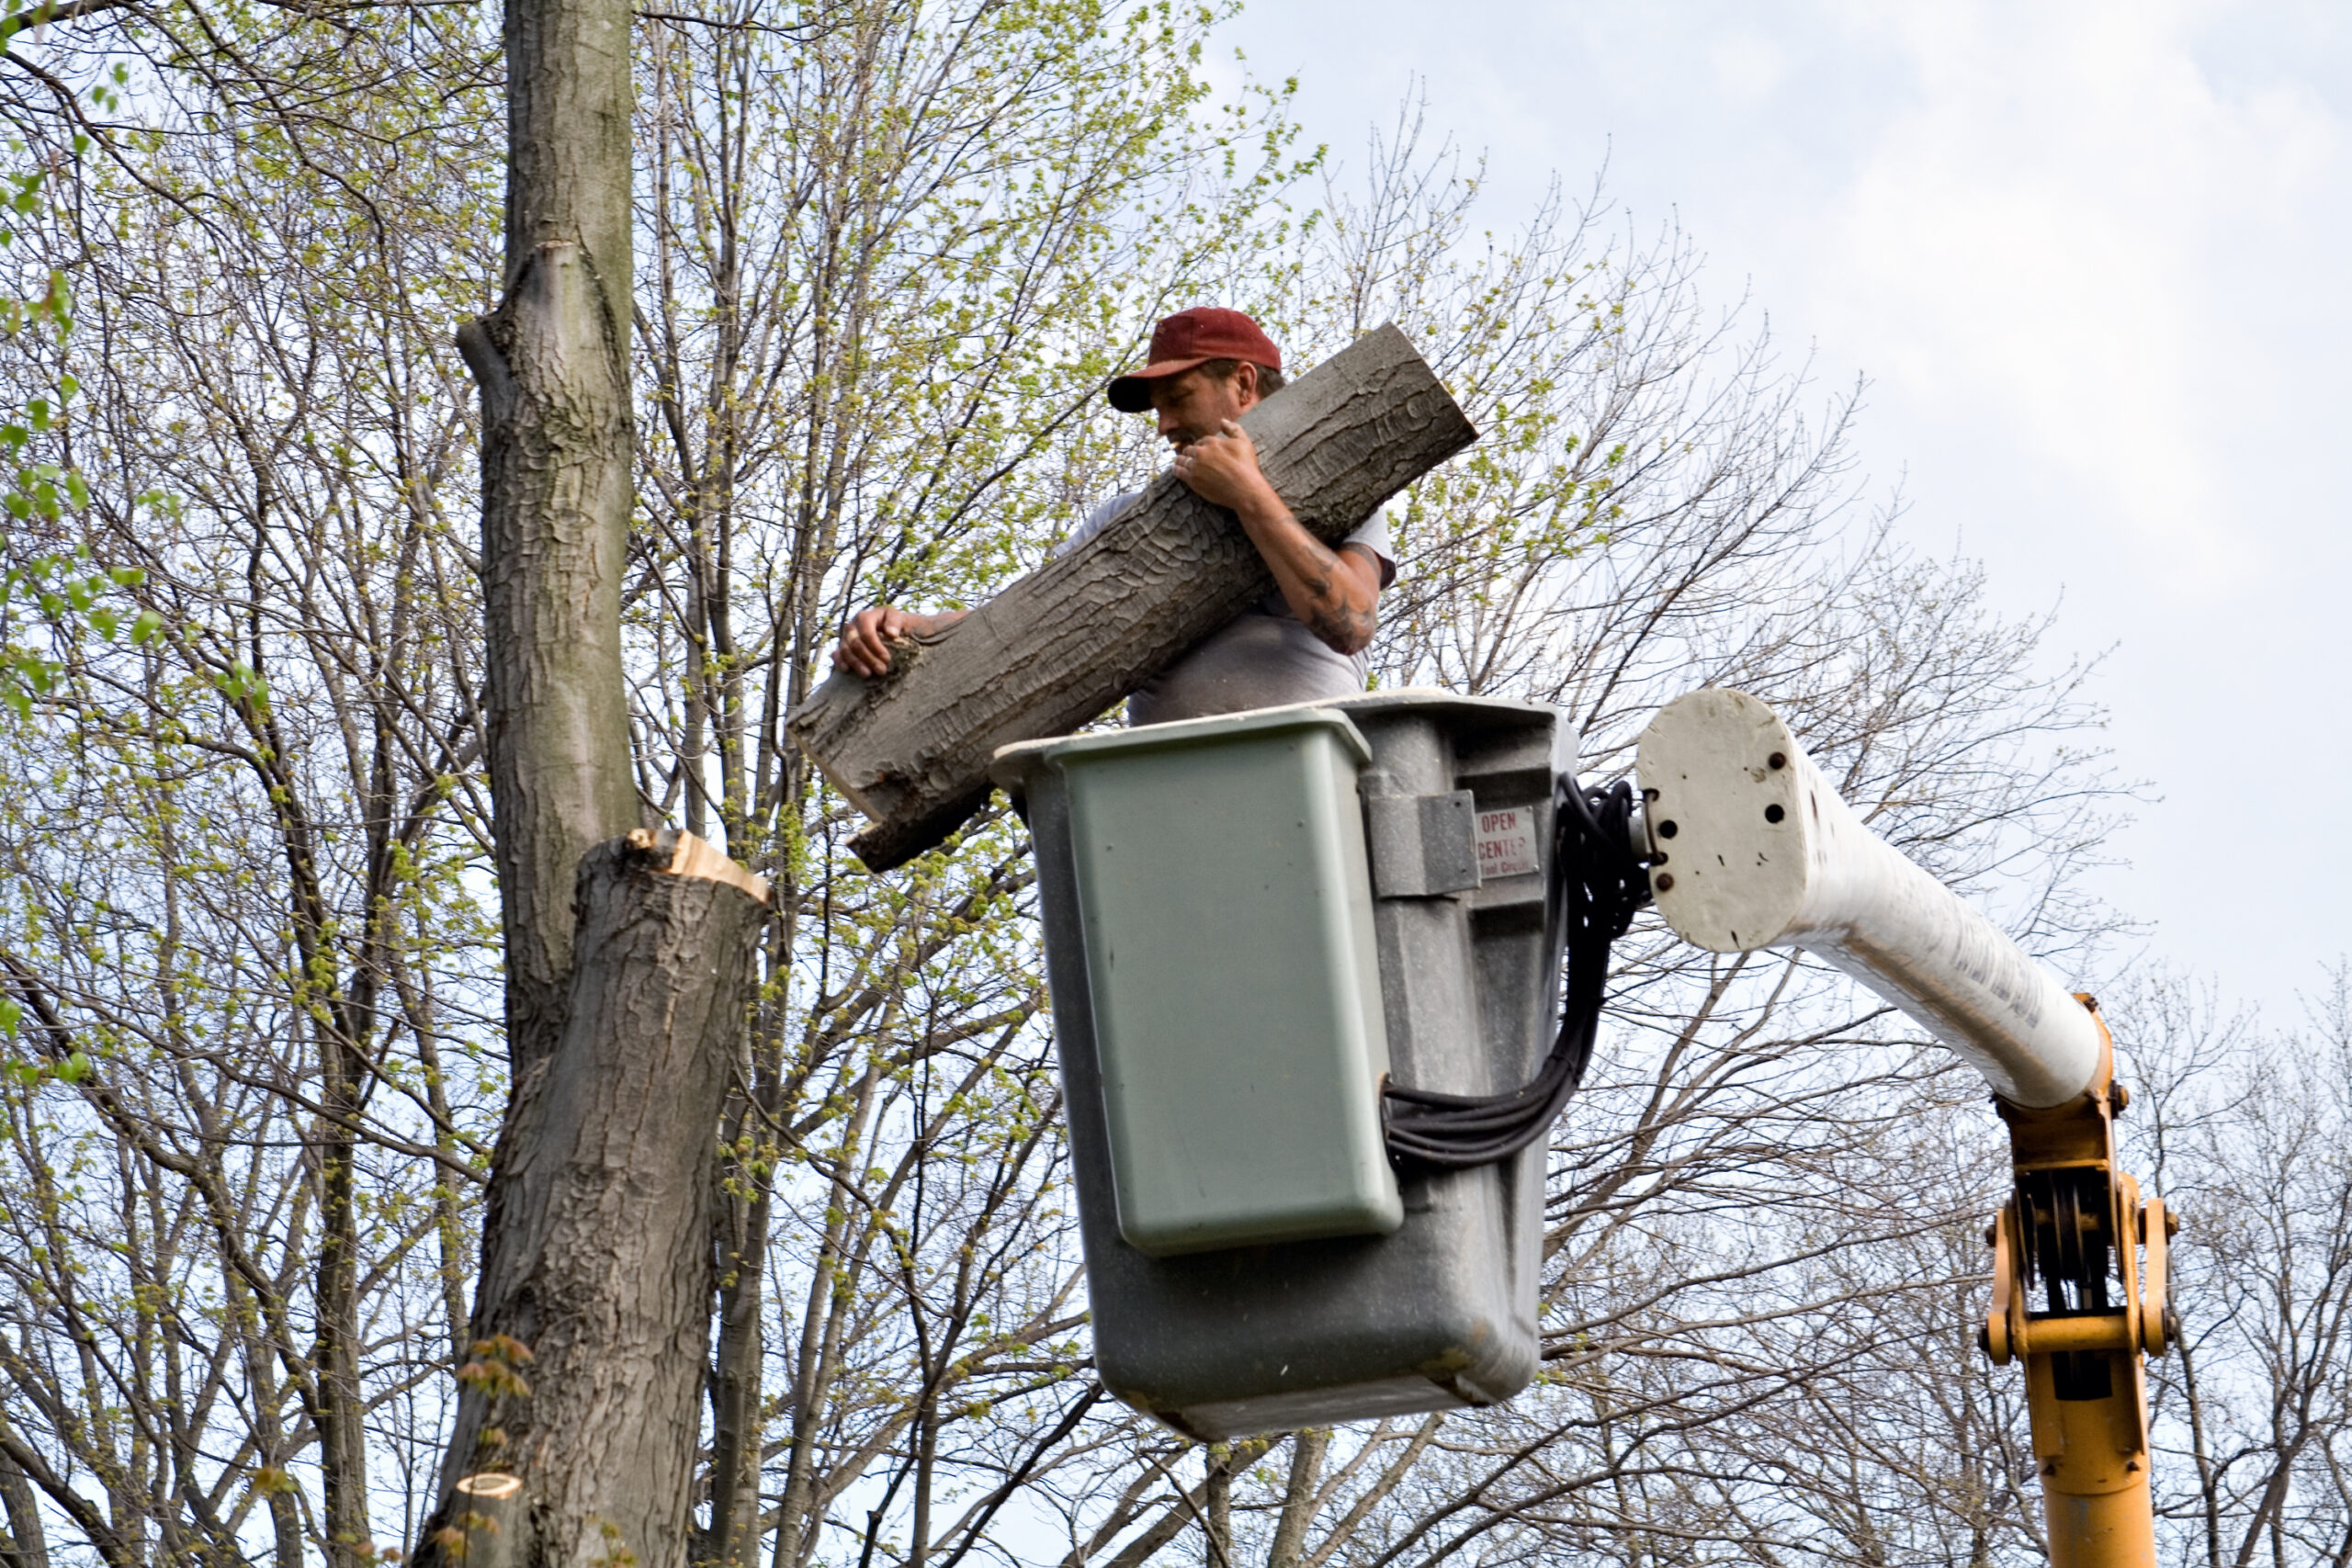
{"x": 677, "y": 852}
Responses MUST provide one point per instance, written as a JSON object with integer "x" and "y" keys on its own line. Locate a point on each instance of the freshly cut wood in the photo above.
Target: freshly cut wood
{"x": 487, "y": 1521}
{"x": 910, "y": 749}
{"x": 594, "y": 1307}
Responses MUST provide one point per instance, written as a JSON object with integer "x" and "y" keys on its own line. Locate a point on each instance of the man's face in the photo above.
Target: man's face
{"x": 1196, "y": 405}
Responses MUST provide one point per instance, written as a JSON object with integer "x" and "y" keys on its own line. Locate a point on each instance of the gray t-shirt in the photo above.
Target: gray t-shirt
{"x": 1264, "y": 657}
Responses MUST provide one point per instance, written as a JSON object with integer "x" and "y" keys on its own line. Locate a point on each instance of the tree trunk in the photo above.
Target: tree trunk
{"x": 1298, "y": 1499}
{"x": 911, "y": 749}
{"x": 1187, "y": 1509}
{"x": 799, "y": 1519}
{"x": 552, "y": 362}
{"x": 741, "y": 1233}
{"x": 627, "y": 959}
{"x": 342, "y": 1413}
{"x": 593, "y": 1315}
{"x": 22, "y": 1543}
{"x": 1216, "y": 1515}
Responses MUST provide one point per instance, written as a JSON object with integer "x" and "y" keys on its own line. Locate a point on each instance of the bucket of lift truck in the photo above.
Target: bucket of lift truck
{"x": 1251, "y": 920}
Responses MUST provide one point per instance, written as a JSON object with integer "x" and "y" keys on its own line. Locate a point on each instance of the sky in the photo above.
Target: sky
{"x": 2093, "y": 259}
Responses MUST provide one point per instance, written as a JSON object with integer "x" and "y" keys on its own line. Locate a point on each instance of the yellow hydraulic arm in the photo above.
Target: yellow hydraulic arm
{"x": 2079, "y": 1266}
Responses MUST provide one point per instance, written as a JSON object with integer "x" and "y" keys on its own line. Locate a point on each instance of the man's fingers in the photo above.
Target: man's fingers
{"x": 862, "y": 648}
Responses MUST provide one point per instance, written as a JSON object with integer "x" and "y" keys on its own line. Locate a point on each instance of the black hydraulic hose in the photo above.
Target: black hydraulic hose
{"x": 1597, "y": 884}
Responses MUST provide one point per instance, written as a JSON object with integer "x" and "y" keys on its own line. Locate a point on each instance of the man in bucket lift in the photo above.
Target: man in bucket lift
{"x": 1207, "y": 367}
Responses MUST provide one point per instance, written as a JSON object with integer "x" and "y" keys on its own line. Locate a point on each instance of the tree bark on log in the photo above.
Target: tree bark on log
{"x": 910, "y": 749}
{"x": 593, "y": 1321}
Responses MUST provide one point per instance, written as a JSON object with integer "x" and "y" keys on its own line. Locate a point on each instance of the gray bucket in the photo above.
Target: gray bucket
{"x": 1218, "y": 894}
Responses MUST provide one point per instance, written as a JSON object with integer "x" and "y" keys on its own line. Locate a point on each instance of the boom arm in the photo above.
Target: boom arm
{"x": 1752, "y": 849}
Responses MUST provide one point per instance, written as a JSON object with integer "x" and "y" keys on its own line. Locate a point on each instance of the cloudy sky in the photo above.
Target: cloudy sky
{"x": 2092, "y": 256}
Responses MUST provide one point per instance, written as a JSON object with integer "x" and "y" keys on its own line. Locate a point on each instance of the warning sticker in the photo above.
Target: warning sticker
{"x": 1507, "y": 844}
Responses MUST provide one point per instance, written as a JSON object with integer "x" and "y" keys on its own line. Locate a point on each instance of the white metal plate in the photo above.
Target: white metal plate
{"x": 1507, "y": 844}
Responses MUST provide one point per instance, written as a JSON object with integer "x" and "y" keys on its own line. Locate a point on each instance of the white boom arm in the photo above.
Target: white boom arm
{"x": 1757, "y": 851}
{"x": 1753, "y": 848}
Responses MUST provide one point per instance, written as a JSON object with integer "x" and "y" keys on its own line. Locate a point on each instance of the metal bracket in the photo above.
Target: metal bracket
{"x": 2074, "y": 1300}
{"x": 1423, "y": 846}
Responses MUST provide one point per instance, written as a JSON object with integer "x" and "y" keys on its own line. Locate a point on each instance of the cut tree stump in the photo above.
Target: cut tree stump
{"x": 910, "y": 749}
{"x": 577, "y": 1423}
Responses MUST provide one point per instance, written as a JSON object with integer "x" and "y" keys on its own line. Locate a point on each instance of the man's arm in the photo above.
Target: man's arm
{"x": 866, "y": 642}
{"x": 1335, "y": 592}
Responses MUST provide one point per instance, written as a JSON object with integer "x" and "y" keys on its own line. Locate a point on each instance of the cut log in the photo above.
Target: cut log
{"x": 910, "y": 749}
{"x": 577, "y": 1425}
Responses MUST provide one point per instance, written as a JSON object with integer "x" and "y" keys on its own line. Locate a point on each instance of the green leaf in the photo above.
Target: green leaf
{"x": 241, "y": 684}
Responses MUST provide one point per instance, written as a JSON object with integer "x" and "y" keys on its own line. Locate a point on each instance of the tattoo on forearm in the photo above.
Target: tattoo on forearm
{"x": 1342, "y": 628}
{"x": 1333, "y": 620}
{"x": 1328, "y": 614}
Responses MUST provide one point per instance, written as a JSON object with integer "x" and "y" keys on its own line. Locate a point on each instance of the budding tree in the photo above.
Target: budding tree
{"x": 886, "y": 256}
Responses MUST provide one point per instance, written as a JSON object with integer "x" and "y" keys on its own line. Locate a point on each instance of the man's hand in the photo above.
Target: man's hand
{"x": 866, "y": 642}
{"x": 1335, "y": 592}
{"x": 1223, "y": 470}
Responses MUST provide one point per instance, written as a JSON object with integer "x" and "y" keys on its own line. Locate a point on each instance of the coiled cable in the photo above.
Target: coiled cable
{"x": 1597, "y": 884}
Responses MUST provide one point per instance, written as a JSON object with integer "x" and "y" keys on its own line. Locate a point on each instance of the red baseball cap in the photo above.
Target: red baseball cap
{"x": 1194, "y": 337}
